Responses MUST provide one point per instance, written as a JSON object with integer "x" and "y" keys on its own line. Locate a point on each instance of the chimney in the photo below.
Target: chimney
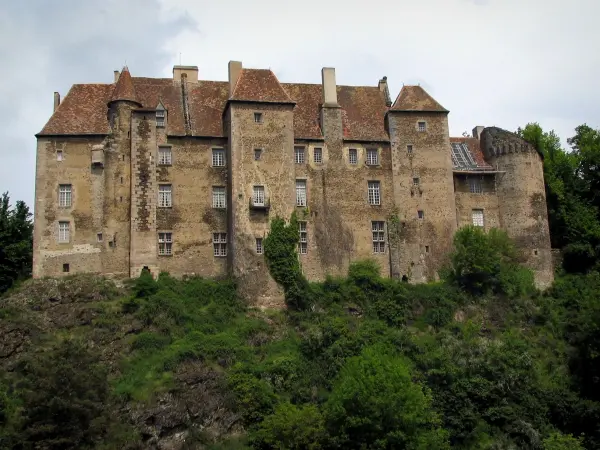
{"x": 235, "y": 69}
{"x": 190, "y": 73}
{"x": 116, "y": 76}
{"x": 383, "y": 87}
{"x": 56, "y": 100}
{"x": 329, "y": 87}
{"x": 477, "y": 131}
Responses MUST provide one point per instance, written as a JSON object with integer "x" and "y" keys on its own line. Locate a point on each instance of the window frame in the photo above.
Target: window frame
{"x": 410, "y": 149}
{"x": 165, "y": 196}
{"x": 160, "y": 118}
{"x": 162, "y": 151}
{"x": 258, "y": 152}
{"x": 216, "y": 151}
{"x": 64, "y": 232}
{"x": 299, "y": 154}
{"x": 353, "y": 154}
{"x": 165, "y": 243}
{"x": 301, "y": 185}
{"x": 219, "y": 197}
{"x": 374, "y": 192}
{"x": 378, "y": 236}
{"x": 303, "y": 237}
{"x": 318, "y": 151}
{"x": 475, "y": 185}
{"x": 370, "y": 153}
{"x": 420, "y": 214}
{"x": 67, "y": 195}
{"x": 421, "y": 129}
{"x": 219, "y": 244}
{"x": 475, "y": 221}
{"x": 258, "y": 117}
{"x": 258, "y": 192}
{"x": 259, "y": 246}
{"x": 60, "y": 155}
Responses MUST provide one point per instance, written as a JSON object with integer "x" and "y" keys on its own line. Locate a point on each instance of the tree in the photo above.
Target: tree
{"x": 16, "y": 242}
{"x": 375, "y": 404}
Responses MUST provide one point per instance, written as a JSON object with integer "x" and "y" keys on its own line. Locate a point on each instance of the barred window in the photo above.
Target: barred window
{"x": 378, "y": 230}
{"x": 352, "y": 156}
{"x": 258, "y": 196}
{"x": 64, "y": 195}
{"x": 475, "y": 185}
{"x": 299, "y": 155}
{"x": 165, "y": 244}
{"x": 164, "y": 156}
{"x": 259, "y": 246}
{"x": 218, "y": 197}
{"x": 477, "y": 217}
{"x": 165, "y": 199}
{"x": 300, "y": 192}
{"x": 372, "y": 157}
{"x": 218, "y": 157}
{"x": 374, "y": 193}
{"x": 220, "y": 244}
{"x": 421, "y": 126}
{"x": 303, "y": 245}
{"x": 318, "y": 155}
{"x": 64, "y": 232}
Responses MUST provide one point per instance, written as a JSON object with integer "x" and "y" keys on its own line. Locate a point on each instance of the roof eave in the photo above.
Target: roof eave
{"x": 282, "y": 102}
{"x": 42, "y": 134}
{"x": 441, "y": 111}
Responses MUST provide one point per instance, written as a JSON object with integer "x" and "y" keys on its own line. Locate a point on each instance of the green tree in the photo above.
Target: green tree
{"x": 375, "y": 404}
{"x": 16, "y": 242}
{"x": 559, "y": 441}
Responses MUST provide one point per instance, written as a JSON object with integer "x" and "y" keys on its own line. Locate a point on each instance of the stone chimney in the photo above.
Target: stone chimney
{"x": 477, "y": 131}
{"x": 56, "y": 100}
{"x": 190, "y": 73}
{"x": 235, "y": 69}
{"x": 116, "y": 73}
{"x": 329, "y": 87}
{"x": 383, "y": 87}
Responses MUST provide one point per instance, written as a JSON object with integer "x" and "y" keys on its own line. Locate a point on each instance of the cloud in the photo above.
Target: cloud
{"x": 48, "y": 46}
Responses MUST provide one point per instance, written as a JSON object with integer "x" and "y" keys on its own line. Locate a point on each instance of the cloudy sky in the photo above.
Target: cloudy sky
{"x": 490, "y": 62}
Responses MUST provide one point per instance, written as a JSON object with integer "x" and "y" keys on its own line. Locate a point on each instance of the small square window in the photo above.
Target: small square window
{"x": 409, "y": 149}
{"x": 421, "y": 214}
{"x": 353, "y": 156}
{"x": 258, "y": 117}
{"x": 59, "y": 155}
{"x": 218, "y": 157}
{"x": 421, "y": 126}
{"x": 257, "y": 154}
{"x": 416, "y": 181}
{"x": 318, "y": 155}
{"x": 372, "y": 157}
{"x": 99, "y": 237}
{"x": 164, "y": 156}
{"x": 299, "y": 155}
{"x": 259, "y": 246}
{"x": 66, "y": 268}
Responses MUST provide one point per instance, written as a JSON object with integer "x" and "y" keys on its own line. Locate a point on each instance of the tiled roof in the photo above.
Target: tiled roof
{"x": 259, "y": 85}
{"x": 124, "y": 89}
{"x": 474, "y": 160}
{"x": 415, "y": 98}
{"x": 84, "y": 108}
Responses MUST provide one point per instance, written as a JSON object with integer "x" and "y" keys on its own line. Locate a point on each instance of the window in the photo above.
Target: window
{"x": 257, "y": 154}
{"x": 218, "y": 197}
{"x": 477, "y": 217}
{"x": 165, "y": 198}
{"x": 258, "y": 117}
{"x": 299, "y": 155}
{"x": 64, "y": 195}
{"x": 377, "y": 227}
{"x": 421, "y": 126}
{"x": 416, "y": 181}
{"x": 64, "y": 232}
{"x": 374, "y": 193}
{"x": 475, "y": 185}
{"x": 218, "y": 157}
{"x": 259, "y": 246}
{"x": 353, "y": 156}
{"x": 427, "y": 249}
{"x": 66, "y": 268}
{"x": 421, "y": 214}
{"x": 165, "y": 244}
{"x": 300, "y": 192}
{"x": 59, "y": 155}
{"x": 303, "y": 247}
{"x": 372, "y": 157}
{"x": 164, "y": 156}
{"x": 220, "y": 244}
{"x": 160, "y": 118}
{"x": 409, "y": 149}
{"x": 99, "y": 237}
{"x": 258, "y": 196}
{"x": 318, "y": 155}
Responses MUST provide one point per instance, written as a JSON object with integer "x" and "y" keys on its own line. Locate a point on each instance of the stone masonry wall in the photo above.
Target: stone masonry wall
{"x": 466, "y": 201}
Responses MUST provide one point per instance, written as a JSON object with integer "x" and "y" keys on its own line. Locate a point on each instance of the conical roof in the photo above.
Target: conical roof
{"x": 124, "y": 89}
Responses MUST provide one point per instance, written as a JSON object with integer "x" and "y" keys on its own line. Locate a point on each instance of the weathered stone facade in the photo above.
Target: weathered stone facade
{"x": 184, "y": 175}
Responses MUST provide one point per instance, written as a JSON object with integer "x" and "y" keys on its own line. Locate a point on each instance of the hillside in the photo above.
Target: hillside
{"x": 358, "y": 362}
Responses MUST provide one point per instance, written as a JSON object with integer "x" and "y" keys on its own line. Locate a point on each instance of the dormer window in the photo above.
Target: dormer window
{"x": 160, "y": 118}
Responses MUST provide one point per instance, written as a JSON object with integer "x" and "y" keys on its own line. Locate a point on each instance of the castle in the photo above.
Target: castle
{"x": 183, "y": 175}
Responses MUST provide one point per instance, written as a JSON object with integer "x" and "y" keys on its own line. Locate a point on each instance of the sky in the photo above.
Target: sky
{"x": 490, "y": 62}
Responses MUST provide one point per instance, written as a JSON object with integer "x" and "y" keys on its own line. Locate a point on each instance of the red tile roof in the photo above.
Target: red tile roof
{"x": 124, "y": 89}
{"x": 475, "y": 150}
{"x": 415, "y": 98}
{"x": 364, "y": 111}
{"x": 259, "y": 85}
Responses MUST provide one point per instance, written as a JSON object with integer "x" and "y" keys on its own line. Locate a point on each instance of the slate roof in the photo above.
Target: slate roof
{"x": 471, "y": 145}
{"x": 414, "y": 98}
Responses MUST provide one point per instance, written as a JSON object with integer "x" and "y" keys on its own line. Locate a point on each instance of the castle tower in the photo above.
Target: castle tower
{"x": 521, "y": 198}
{"x": 261, "y": 180}
{"x": 422, "y": 234}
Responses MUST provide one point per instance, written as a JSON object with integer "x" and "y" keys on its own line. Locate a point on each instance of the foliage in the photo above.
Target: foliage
{"x": 484, "y": 263}
{"x": 16, "y": 242}
{"x": 559, "y": 441}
